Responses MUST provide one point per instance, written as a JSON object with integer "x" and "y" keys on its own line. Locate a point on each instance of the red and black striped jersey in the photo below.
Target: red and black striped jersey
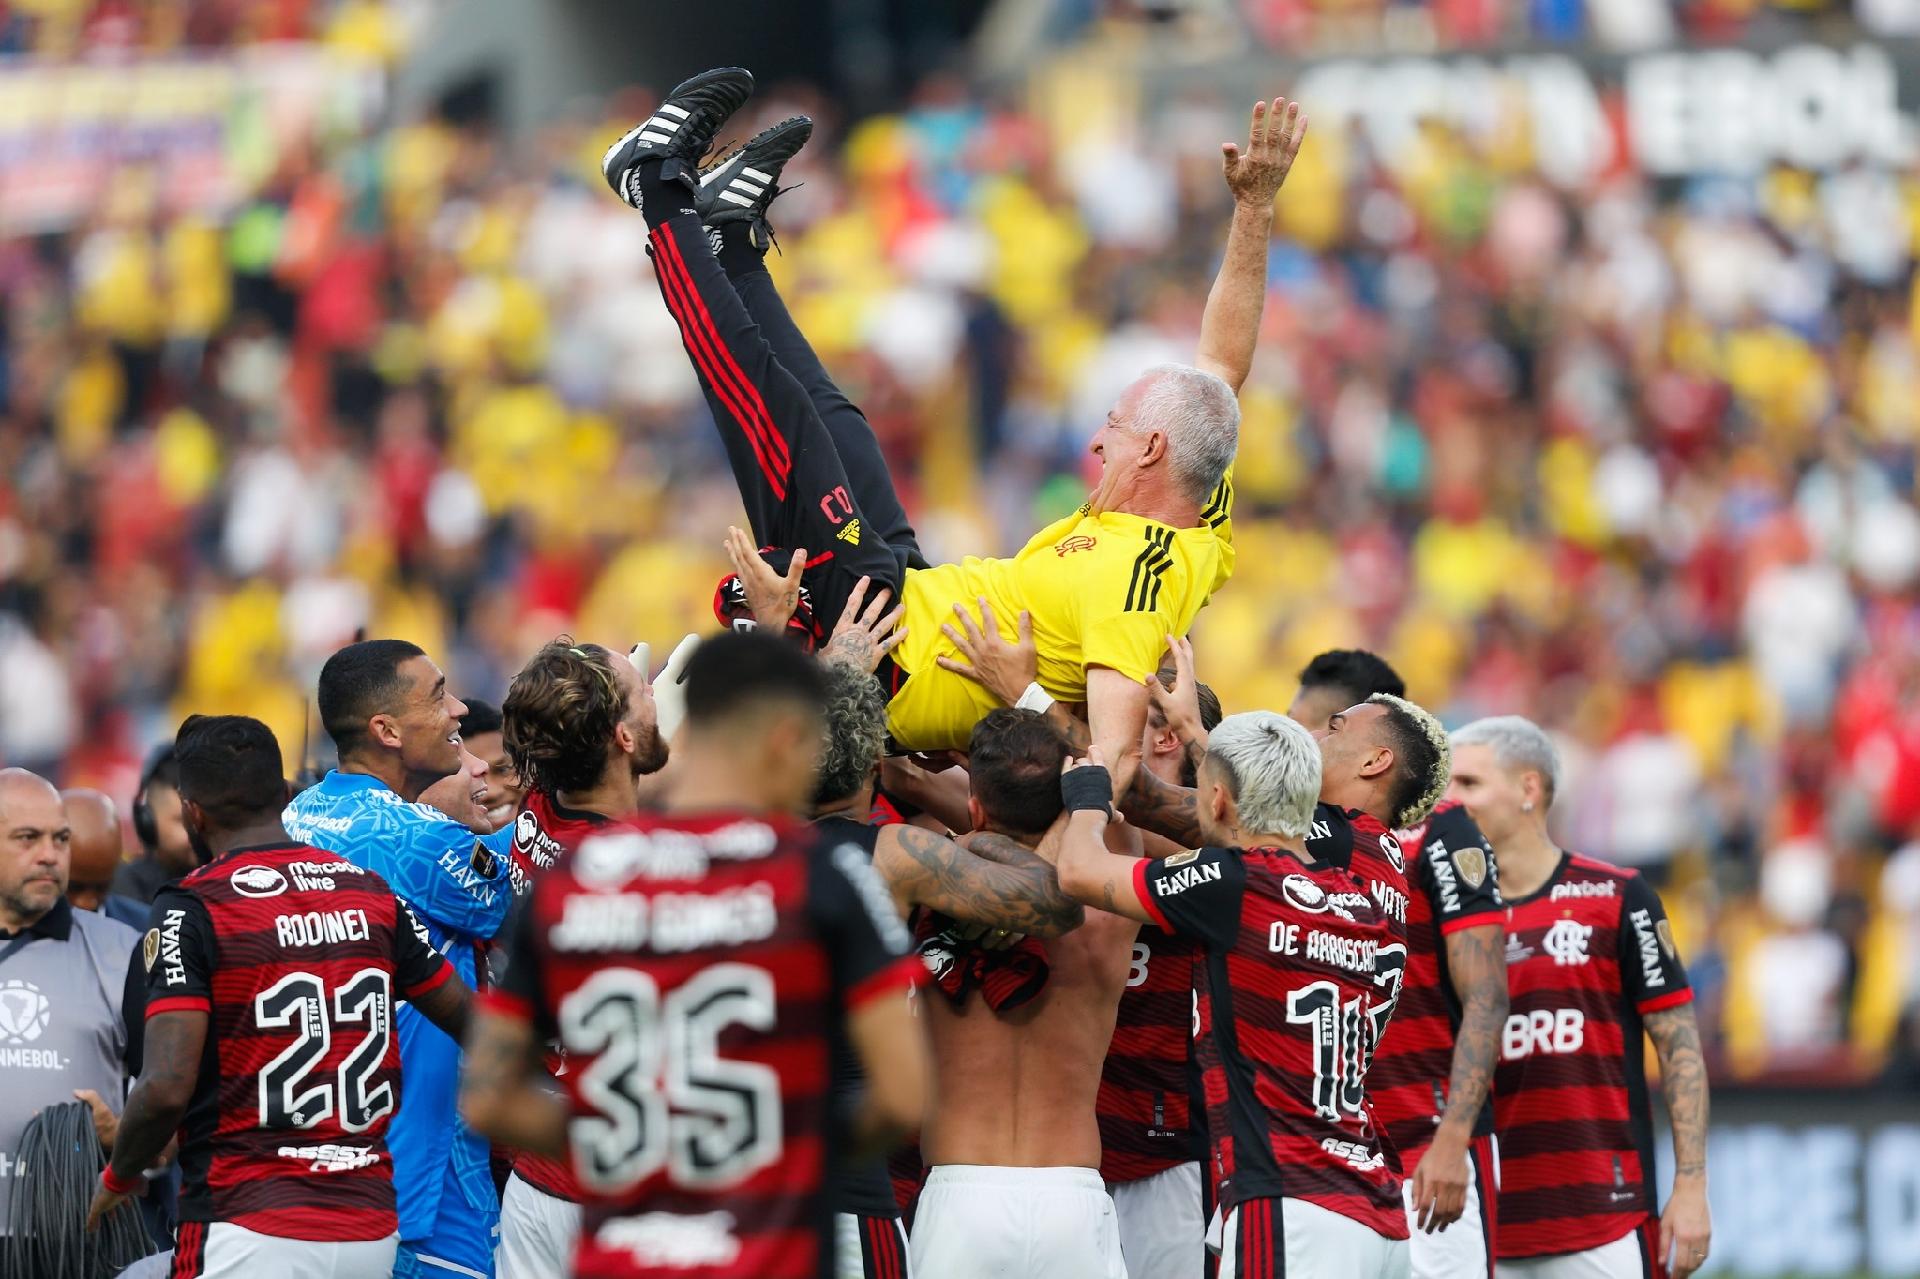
{"x": 1300, "y": 972}
{"x": 697, "y": 972}
{"x": 1143, "y": 1102}
{"x": 545, "y": 829}
{"x": 295, "y": 955}
{"x": 1451, "y": 886}
{"x": 1588, "y": 955}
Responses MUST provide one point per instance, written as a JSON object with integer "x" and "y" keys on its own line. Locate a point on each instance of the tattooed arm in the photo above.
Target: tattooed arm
{"x": 1685, "y": 1226}
{"x": 500, "y": 1097}
{"x": 1170, "y": 811}
{"x": 992, "y": 881}
{"x": 1477, "y": 963}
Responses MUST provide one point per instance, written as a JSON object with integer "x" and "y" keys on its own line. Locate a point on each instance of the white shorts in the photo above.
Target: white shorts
{"x": 1163, "y": 1230}
{"x": 537, "y": 1233}
{"x": 868, "y": 1248}
{"x": 222, "y": 1250}
{"x": 1312, "y": 1242}
{"x": 976, "y": 1222}
{"x": 1625, "y": 1258}
{"x": 1459, "y": 1251}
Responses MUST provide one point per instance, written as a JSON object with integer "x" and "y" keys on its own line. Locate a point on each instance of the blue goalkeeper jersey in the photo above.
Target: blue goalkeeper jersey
{"x": 458, "y": 886}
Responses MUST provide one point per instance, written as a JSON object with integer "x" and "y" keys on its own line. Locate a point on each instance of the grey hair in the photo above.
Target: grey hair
{"x": 1520, "y": 745}
{"x": 1201, "y": 417}
{"x": 1273, "y": 770}
{"x": 856, "y": 723}
{"x": 1423, "y": 762}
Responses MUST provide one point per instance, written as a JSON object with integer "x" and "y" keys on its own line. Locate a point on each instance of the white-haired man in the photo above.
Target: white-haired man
{"x": 1103, "y": 585}
{"x": 1591, "y": 966}
{"x": 1301, "y": 972}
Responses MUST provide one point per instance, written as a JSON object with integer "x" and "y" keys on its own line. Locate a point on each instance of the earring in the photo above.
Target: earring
{"x": 1527, "y": 807}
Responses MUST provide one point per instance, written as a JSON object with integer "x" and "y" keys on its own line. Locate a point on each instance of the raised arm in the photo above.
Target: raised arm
{"x": 1007, "y": 670}
{"x": 992, "y": 881}
{"x": 1231, "y": 325}
{"x": 1686, "y": 1228}
{"x": 1117, "y": 718}
{"x": 1172, "y": 812}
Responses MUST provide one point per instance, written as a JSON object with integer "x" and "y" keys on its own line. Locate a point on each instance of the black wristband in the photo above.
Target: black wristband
{"x": 1088, "y": 789}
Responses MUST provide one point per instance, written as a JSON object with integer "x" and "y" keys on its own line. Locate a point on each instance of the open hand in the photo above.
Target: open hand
{"x": 1181, "y": 703}
{"x": 1273, "y": 140}
{"x": 1001, "y": 668}
{"x": 771, "y": 598}
{"x": 863, "y": 635}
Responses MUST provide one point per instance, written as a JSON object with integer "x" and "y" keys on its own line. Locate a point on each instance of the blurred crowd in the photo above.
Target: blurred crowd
{"x": 1637, "y": 463}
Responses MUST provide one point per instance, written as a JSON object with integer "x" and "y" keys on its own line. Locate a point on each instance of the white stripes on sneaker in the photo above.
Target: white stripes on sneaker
{"x": 743, "y": 188}
{"x": 657, "y": 128}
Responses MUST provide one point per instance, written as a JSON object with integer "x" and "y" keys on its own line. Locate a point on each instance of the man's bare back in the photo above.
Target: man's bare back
{"x": 1016, "y": 1090}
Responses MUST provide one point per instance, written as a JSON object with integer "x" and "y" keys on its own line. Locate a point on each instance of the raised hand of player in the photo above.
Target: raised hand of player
{"x": 771, "y": 598}
{"x": 1180, "y": 705}
{"x": 863, "y": 635}
{"x": 1686, "y": 1228}
{"x": 1273, "y": 140}
{"x": 1001, "y": 668}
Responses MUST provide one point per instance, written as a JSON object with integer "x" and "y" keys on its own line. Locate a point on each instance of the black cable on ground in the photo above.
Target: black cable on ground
{"x": 57, "y": 1171}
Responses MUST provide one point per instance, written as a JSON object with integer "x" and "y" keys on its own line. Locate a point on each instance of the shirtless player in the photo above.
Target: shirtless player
{"x": 1010, "y": 1137}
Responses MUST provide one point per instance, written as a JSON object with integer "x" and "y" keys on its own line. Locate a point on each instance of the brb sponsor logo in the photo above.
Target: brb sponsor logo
{"x": 1545, "y": 1032}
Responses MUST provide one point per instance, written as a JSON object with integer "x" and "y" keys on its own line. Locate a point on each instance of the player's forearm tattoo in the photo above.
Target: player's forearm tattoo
{"x": 998, "y": 882}
{"x": 1476, "y": 959}
{"x": 1078, "y": 735}
{"x": 1683, "y": 1079}
{"x": 1169, "y": 811}
{"x": 159, "y": 1101}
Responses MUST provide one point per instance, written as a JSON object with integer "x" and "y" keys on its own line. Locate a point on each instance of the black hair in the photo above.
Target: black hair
{"x": 1013, "y": 763}
{"x": 162, "y": 770}
{"x": 230, "y": 767}
{"x": 358, "y": 682}
{"x": 739, "y": 669}
{"x": 1357, "y": 673}
{"x": 481, "y": 717}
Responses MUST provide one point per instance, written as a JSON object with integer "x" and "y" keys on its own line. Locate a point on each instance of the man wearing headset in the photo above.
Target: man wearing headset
{"x": 166, "y": 855}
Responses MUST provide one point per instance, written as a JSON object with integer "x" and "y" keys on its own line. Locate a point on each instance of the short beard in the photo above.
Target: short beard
{"x": 652, "y": 755}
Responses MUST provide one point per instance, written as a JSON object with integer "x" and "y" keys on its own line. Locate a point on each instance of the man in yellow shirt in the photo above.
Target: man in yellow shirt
{"x": 1103, "y": 587}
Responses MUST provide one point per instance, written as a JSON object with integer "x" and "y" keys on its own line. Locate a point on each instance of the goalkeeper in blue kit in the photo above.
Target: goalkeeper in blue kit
{"x": 395, "y": 726}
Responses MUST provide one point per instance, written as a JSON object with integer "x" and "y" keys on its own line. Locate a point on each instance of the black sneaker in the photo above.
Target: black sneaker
{"x": 679, "y": 131}
{"x": 740, "y": 187}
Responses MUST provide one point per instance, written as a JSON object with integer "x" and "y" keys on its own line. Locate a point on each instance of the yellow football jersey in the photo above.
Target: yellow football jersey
{"x": 1103, "y": 590}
